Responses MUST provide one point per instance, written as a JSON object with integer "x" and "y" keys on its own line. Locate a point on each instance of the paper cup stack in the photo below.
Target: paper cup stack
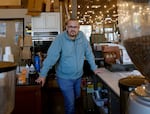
{"x": 8, "y": 56}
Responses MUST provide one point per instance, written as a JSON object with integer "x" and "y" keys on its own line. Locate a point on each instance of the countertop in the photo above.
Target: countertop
{"x": 111, "y": 79}
{"x": 7, "y": 66}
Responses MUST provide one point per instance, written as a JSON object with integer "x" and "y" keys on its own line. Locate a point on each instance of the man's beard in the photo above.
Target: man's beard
{"x": 72, "y": 35}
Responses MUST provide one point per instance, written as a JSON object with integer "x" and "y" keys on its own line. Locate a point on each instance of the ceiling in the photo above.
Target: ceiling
{"x": 92, "y": 11}
{"x": 97, "y": 11}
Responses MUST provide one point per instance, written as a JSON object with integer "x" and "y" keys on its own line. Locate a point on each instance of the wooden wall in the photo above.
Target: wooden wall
{"x": 20, "y": 11}
{"x": 10, "y": 3}
{"x": 9, "y": 40}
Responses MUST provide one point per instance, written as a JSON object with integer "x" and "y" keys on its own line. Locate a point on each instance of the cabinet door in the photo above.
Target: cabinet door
{"x": 46, "y": 22}
{"x": 35, "y": 5}
{"x": 38, "y": 22}
{"x": 52, "y": 21}
{"x": 28, "y": 100}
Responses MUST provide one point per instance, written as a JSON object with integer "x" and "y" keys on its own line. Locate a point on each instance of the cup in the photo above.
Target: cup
{"x": 9, "y": 58}
{"x": 8, "y": 50}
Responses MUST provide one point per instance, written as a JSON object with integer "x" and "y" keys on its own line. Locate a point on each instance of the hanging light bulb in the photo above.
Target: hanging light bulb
{"x": 52, "y": 1}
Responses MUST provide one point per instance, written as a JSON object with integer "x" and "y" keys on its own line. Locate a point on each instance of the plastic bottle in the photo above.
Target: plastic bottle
{"x": 27, "y": 69}
{"x": 32, "y": 74}
{"x": 31, "y": 69}
{"x": 37, "y": 63}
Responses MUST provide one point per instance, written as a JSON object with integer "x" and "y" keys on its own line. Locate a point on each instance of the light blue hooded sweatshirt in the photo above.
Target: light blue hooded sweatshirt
{"x": 68, "y": 56}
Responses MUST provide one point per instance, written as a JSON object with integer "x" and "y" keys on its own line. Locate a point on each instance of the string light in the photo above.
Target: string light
{"x": 95, "y": 9}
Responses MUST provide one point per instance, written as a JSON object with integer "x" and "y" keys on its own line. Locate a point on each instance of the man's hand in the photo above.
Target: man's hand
{"x": 40, "y": 80}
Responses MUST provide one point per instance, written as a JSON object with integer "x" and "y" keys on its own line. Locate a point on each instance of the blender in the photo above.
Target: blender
{"x": 134, "y": 25}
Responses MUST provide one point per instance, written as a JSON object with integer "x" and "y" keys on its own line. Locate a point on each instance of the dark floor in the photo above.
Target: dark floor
{"x": 54, "y": 103}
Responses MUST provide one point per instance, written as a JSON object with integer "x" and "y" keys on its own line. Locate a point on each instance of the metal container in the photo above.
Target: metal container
{"x": 7, "y": 87}
{"x": 139, "y": 101}
{"x": 128, "y": 85}
{"x": 134, "y": 26}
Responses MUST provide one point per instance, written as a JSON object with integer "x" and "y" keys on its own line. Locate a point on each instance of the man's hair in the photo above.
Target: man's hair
{"x": 71, "y": 19}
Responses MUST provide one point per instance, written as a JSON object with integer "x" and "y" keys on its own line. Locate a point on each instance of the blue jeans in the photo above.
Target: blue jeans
{"x": 71, "y": 90}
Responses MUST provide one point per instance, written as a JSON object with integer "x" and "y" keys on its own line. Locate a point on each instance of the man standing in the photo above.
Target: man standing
{"x": 68, "y": 52}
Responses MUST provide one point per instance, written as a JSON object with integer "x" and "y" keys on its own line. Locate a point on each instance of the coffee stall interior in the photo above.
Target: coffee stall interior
{"x": 27, "y": 29}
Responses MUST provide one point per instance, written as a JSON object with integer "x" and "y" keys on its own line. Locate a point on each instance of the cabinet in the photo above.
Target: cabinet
{"x": 46, "y": 22}
{"x": 110, "y": 98}
{"x": 35, "y": 7}
{"x": 10, "y": 3}
{"x": 28, "y": 99}
{"x": 100, "y": 99}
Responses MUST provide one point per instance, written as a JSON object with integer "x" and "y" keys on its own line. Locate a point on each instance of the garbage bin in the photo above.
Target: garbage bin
{"x": 127, "y": 85}
{"x": 7, "y": 87}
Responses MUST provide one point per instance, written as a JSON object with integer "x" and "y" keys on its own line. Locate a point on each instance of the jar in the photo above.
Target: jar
{"x": 134, "y": 26}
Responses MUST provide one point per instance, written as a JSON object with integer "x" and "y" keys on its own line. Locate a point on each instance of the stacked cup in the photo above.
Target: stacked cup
{"x": 8, "y": 56}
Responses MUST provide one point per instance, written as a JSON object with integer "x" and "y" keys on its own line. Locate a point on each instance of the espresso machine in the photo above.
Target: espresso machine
{"x": 134, "y": 25}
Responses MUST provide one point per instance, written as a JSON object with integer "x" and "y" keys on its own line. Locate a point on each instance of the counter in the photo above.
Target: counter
{"x": 111, "y": 78}
{"x": 7, "y": 66}
{"x": 28, "y": 99}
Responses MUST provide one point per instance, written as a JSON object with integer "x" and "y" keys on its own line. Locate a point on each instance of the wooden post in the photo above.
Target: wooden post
{"x": 74, "y": 9}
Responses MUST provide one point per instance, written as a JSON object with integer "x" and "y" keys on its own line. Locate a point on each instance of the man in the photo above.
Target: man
{"x": 68, "y": 52}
